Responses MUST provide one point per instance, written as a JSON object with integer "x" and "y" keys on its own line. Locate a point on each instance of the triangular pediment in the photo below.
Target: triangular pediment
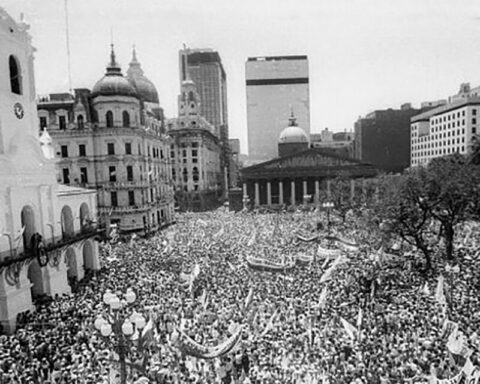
{"x": 315, "y": 160}
{"x": 311, "y": 158}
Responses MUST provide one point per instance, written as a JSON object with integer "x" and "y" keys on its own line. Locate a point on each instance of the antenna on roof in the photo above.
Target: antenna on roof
{"x": 67, "y": 32}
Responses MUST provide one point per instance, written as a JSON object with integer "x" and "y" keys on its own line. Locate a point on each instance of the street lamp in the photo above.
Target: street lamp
{"x": 452, "y": 271}
{"x": 120, "y": 326}
{"x": 328, "y": 205}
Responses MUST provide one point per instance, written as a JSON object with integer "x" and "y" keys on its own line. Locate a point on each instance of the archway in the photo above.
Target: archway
{"x": 35, "y": 276}
{"x": 28, "y": 221}
{"x": 67, "y": 222}
{"x": 84, "y": 217}
{"x": 88, "y": 256}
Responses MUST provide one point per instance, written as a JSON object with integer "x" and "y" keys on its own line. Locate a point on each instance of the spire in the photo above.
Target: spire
{"x": 292, "y": 120}
{"x": 113, "y": 68}
{"x": 134, "y": 68}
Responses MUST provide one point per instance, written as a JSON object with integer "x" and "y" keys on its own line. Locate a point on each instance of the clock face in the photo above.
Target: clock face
{"x": 18, "y": 109}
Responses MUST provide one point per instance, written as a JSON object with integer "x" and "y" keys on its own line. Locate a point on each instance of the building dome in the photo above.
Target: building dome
{"x": 293, "y": 134}
{"x": 145, "y": 89}
{"x": 113, "y": 83}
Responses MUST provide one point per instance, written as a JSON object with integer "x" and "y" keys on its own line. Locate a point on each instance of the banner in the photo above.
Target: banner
{"x": 264, "y": 264}
{"x": 192, "y": 348}
{"x": 328, "y": 273}
{"x": 304, "y": 259}
{"x": 439, "y": 294}
{"x": 306, "y": 237}
{"x": 325, "y": 252}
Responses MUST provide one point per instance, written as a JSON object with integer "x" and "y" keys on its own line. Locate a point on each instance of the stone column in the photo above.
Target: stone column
{"x": 317, "y": 192}
{"x": 257, "y": 194}
{"x": 292, "y": 194}
{"x": 244, "y": 189}
{"x": 305, "y": 190}
{"x": 329, "y": 193}
{"x": 245, "y": 196}
{"x": 280, "y": 192}
{"x": 269, "y": 193}
{"x": 352, "y": 189}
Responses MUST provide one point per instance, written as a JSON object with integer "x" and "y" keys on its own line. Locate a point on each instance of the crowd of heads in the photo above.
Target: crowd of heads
{"x": 288, "y": 335}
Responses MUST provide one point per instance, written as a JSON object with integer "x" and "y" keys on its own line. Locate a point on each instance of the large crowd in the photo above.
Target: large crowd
{"x": 293, "y": 321}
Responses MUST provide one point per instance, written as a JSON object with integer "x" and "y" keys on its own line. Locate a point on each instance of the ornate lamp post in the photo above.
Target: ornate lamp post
{"x": 328, "y": 205}
{"x": 118, "y": 327}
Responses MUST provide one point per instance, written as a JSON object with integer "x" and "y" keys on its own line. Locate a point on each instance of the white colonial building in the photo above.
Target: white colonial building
{"x": 47, "y": 231}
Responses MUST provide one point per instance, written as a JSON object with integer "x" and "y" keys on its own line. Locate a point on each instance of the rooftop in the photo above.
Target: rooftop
{"x": 445, "y": 108}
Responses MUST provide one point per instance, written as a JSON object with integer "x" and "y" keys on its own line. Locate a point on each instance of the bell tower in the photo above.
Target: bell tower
{"x": 19, "y": 145}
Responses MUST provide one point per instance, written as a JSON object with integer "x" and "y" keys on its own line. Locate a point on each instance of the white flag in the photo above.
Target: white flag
{"x": 349, "y": 328}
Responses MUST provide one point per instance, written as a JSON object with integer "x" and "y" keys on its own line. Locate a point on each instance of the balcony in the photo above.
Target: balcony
{"x": 107, "y": 211}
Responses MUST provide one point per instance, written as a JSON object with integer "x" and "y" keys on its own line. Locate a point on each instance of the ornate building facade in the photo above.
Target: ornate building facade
{"x": 195, "y": 154}
{"x": 113, "y": 139}
{"x": 47, "y": 230}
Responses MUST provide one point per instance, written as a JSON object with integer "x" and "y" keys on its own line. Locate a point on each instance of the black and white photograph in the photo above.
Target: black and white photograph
{"x": 239, "y": 192}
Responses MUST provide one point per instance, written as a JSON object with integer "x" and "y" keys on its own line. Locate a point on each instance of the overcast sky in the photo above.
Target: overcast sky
{"x": 363, "y": 55}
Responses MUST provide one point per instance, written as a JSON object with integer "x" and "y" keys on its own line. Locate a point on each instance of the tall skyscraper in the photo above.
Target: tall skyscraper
{"x": 276, "y": 85}
{"x": 204, "y": 67}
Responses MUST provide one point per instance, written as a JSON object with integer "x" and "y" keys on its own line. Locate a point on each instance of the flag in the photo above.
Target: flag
{"x": 426, "y": 290}
{"x": 359, "y": 318}
{"x": 253, "y": 239}
{"x": 248, "y": 299}
{"x": 147, "y": 333}
{"x": 328, "y": 273}
{"x": 19, "y": 236}
{"x": 439, "y": 294}
{"x": 270, "y": 324}
{"x": 349, "y": 328}
{"x": 322, "y": 301}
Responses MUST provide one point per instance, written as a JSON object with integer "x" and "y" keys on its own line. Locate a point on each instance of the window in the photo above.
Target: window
{"x": 194, "y": 152}
{"x": 82, "y": 150}
{"x": 131, "y": 197}
{"x": 474, "y": 112}
{"x": 62, "y": 122}
{"x": 111, "y": 148}
{"x": 43, "y": 122}
{"x": 474, "y": 130}
{"x": 112, "y": 174}
{"x": 64, "y": 150}
{"x": 80, "y": 122}
{"x": 113, "y": 199}
{"x": 109, "y": 119}
{"x": 139, "y": 149}
{"x": 66, "y": 175}
{"x": 129, "y": 173}
{"x": 474, "y": 120}
{"x": 15, "y": 76}
{"x": 185, "y": 175}
{"x": 126, "y": 119}
{"x": 195, "y": 174}
{"x": 83, "y": 175}
{"x": 128, "y": 148}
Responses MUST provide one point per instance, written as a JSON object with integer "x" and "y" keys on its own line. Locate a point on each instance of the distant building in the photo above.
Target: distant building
{"x": 235, "y": 162}
{"x": 382, "y": 138}
{"x": 275, "y": 85}
{"x": 301, "y": 174}
{"x": 113, "y": 139}
{"x": 204, "y": 67}
{"x": 340, "y": 143}
{"x": 195, "y": 154}
{"x": 47, "y": 231}
{"x": 447, "y": 129}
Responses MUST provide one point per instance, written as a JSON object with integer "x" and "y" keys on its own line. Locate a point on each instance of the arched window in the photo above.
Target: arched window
{"x": 190, "y": 96}
{"x": 80, "y": 122}
{"x": 15, "y": 76}
{"x": 126, "y": 119}
{"x": 185, "y": 175}
{"x": 195, "y": 174}
{"x": 109, "y": 119}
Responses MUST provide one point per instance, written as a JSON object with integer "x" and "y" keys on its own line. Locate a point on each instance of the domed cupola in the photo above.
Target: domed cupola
{"x": 146, "y": 91}
{"x": 292, "y": 139}
{"x": 113, "y": 83}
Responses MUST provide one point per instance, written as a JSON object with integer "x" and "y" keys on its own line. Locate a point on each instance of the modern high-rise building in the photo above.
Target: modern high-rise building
{"x": 276, "y": 85}
{"x": 204, "y": 67}
{"x": 382, "y": 138}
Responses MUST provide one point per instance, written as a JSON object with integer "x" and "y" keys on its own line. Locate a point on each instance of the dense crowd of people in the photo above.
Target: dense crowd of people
{"x": 293, "y": 321}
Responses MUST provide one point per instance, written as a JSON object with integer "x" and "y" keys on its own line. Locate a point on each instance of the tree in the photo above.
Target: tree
{"x": 452, "y": 189}
{"x": 404, "y": 211}
{"x": 340, "y": 195}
